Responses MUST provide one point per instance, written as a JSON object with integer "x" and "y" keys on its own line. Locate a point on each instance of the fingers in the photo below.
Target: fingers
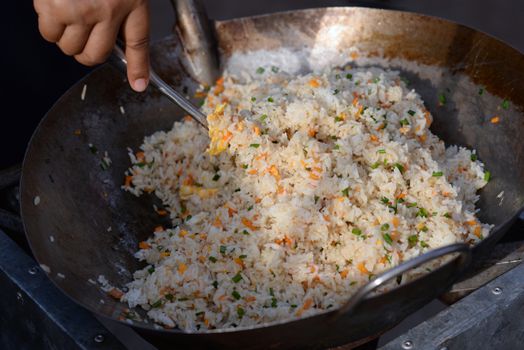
{"x": 50, "y": 29}
{"x": 136, "y": 35}
{"x": 74, "y": 39}
{"x": 99, "y": 45}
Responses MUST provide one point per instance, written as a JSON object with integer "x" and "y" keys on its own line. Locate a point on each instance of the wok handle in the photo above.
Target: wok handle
{"x": 362, "y": 293}
{"x": 194, "y": 29}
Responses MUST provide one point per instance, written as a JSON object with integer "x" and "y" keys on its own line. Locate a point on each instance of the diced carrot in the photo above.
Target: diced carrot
{"x": 373, "y": 138}
{"x": 311, "y": 132}
{"x": 239, "y": 262}
{"x": 427, "y": 116}
{"x": 222, "y": 297}
{"x": 249, "y": 224}
{"x": 182, "y": 268}
{"x": 240, "y": 125}
{"x": 206, "y": 322}
{"x": 77, "y": 132}
{"x": 359, "y": 112}
{"x": 217, "y": 222}
{"x": 202, "y": 259}
{"x": 256, "y": 130}
{"x": 188, "y": 181}
{"x": 355, "y": 101}
{"x": 354, "y": 55}
{"x": 288, "y": 241}
{"x": 423, "y": 137}
{"x": 144, "y": 245}
{"x": 495, "y": 120}
{"x": 326, "y": 217}
{"x": 274, "y": 171}
{"x": 165, "y": 254}
{"x": 344, "y": 273}
{"x": 128, "y": 181}
{"x": 314, "y": 176}
{"x": 250, "y": 298}
{"x": 140, "y": 156}
{"x": 362, "y": 268}
{"x": 188, "y": 118}
{"x": 253, "y": 172}
{"x": 231, "y": 211}
{"x": 159, "y": 229}
{"x": 183, "y": 233}
{"x": 401, "y": 195}
{"x": 116, "y": 293}
{"x": 220, "y": 81}
{"x": 395, "y": 221}
{"x": 200, "y": 94}
{"x": 477, "y": 231}
{"x": 262, "y": 155}
{"x": 307, "y": 304}
{"x": 314, "y": 83}
{"x": 471, "y": 223}
{"x": 258, "y": 200}
{"x": 161, "y": 212}
{"x": 383, "y": 260}
{"x": 218, "y": 90}
{"x": 280, "y": 189}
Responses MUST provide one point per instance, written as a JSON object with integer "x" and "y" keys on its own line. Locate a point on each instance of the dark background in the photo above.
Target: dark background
{"x": 35, "y": 74}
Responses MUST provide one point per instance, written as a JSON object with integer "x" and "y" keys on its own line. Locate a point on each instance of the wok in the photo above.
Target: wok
{"x": 95, "y": 226}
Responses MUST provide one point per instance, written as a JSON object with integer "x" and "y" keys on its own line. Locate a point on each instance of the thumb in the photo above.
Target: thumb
{"x": 136, "y": 36}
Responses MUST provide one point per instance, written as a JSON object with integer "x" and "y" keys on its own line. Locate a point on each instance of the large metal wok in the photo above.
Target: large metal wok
{"x": 80, "y": 224}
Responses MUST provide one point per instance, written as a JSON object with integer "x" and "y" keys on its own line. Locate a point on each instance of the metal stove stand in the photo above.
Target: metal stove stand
{"x": 485, "y": 309}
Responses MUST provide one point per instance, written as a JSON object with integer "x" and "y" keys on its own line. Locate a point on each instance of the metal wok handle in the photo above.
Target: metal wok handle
{"x": 361, "y": 294}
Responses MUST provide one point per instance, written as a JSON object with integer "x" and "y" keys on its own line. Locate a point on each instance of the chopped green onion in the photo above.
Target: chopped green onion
{"x": 381, "y": 151}
{"x": 237, "y": 278}
{"x": 356, "y": 231}
{"x": 263, "y": 117}
{"x": 244, "y": 166}
{"x": 404, "y": 122}
{"x": 270, "y": 99}
{"x": 437, "y": 174}
{"x": 336, "y": 147}
{"x": 345, "y": 191}
{"x": 245, "y": 232}
{"x": 92, "y": 149}
{"x": 447, "y": 215}
{"x": 336, "y": 91}
{"x": 250, "y": 208}
{"x": 411, "y": 112}
{"x": 200, "y": 313}
{"x": 337, "y": 76}
{"x": 375, "y": 165}
{"x": 260, "y": 70}
{"x": 338, "y": 119}
{"x": 104, "y": 165}
{"x": 212, "y": 259}
{"x": 316, "y": 198}
{"x": 412, "y": 241}
{"x": 376, "y": 80}
{"x": 253, "y": 99}
{"x": 254, "y": 145}
{"x": 411, "y": 205}
{"x": 271, "y": 292}
{"x": 215, "y": 284}
{"x": 349, "y": 76}
{"x": 442, "y": 99}
{"x": 223, "y": 249}
{"x": 235, "y": 295}
{"x": 216, "y": 177}
{"x": 274, "y": 302}
{"x": 169, "y": 297}
{"x": 274, "y": 69}
{"x": 240, "y": 312}
{"x": 487, "y": 176}
{"x": 424, "y": 244}
{"x": 384, "y": 200}
{"x": 293, "y": 306}
{"x": 473, "y": 157}
{"x": 243, "y": 256}
{"x": 481, "y": 91}
{"x": 422, "y": 213}
{"x": 424, "y": 229}
{"x": 384, "y": 227}
{"x": 400, "y": 167}
{"x": 505, "y": 104}
{"x": 151, "y": 270}
{"x": 157, "y": 303}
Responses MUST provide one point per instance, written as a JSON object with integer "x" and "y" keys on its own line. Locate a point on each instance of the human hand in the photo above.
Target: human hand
{"x": 88, "y": 30}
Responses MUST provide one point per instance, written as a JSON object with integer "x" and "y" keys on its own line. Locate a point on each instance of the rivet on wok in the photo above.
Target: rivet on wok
{"x": 496, "y": 290}
{"x": 99, "y": 338}
{"x": 33, "y": 270}
{"x": 407, "y": 344}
